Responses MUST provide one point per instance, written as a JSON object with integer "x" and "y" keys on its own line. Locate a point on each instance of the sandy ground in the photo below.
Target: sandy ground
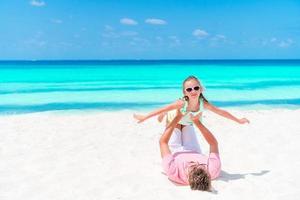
{"x": 107, "y": 155}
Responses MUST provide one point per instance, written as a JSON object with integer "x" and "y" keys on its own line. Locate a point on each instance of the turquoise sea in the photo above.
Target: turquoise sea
{"x": 36, "y": 86}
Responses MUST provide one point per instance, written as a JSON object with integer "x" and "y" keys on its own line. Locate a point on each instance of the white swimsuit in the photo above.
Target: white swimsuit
{"x": 186, "y": 119}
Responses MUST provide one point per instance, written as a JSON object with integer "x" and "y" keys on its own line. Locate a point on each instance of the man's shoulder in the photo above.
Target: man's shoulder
{"x": 188, "y": 154}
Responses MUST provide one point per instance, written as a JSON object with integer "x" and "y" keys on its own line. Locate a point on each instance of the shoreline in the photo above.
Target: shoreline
{"x": 95, "y": 111}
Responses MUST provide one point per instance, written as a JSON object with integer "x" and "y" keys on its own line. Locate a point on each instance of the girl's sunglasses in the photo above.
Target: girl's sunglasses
{"x": 196, "y": 88}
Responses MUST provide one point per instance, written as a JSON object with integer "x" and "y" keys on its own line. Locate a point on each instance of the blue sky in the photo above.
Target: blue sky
{"x": 152, "y": 29}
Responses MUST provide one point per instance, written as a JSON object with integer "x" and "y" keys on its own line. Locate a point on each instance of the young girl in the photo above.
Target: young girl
{"x": 193, "y": 103}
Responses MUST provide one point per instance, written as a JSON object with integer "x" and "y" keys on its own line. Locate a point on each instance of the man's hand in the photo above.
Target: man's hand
{"x": 196, "y": 117}
{"x": 243, "y": 121}
{"x": 140, "y": 118}
{"x": 209, "y": 137}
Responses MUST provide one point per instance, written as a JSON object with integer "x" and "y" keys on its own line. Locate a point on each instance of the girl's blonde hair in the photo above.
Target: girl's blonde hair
{"x": 196, "y": 79}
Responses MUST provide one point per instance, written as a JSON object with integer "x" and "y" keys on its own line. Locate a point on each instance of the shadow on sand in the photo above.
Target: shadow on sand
{"x": 225, "y": 176}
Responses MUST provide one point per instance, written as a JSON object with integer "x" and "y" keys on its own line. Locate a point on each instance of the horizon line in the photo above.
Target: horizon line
{"x": 224, "y": 62}
{"x": 165, "y": 59}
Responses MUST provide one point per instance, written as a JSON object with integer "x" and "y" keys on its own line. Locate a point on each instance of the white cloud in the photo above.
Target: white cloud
{"x": 273, "y": 39}
{"x": 36, "y": 40}
{"x": 219, "y": 37}
{"x": 264, "y": 42}
{"x": 76, "y": 35}
{"x": 110, "y": 32}
{"x": 200, "y": 33}
{"x": 154, "y": 21}
{"x": 285, "y": 43}
{"x": 105, "y": 44}
{"x": 282, "y": 43}
{"x": 217, "y": 40}
{"x": 141, "y": 41}
{"x": 128, "y": 21}
{"x": 108, "y": 28}
{"x": 158, "y": 38}
{"x": 175, "y": 40}
{"x": 132, "y": 43}
{"x": 56, "y": 21}
{"x": 66, "y": 44}
{"x": 173, "y": 37}
{"x": 129, "y": 33}
{"x": 37, "y": 3}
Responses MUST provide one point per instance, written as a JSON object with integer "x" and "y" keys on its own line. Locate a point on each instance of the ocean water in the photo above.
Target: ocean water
{"x": 36, "y": 86}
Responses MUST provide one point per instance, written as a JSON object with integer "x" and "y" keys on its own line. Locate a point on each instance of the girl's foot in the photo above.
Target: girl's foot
{"x": 161, "y": 117}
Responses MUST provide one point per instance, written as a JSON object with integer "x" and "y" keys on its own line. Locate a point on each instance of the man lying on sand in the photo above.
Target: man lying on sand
{"x": 190, "y": 167}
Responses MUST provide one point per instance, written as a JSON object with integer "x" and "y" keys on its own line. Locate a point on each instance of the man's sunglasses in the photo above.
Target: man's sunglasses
{"x": 196, "y": 88}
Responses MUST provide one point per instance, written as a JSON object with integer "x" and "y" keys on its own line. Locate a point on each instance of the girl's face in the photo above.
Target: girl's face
{"x": 192, "y": 89}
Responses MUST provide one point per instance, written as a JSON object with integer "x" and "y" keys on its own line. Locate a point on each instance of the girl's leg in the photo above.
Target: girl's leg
{"x": 189, "y": 139}
{"x": 175, "y": 142}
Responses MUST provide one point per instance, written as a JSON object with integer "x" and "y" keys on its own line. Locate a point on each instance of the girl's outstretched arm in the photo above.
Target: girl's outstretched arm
{"x": 224, "y": 113}
{"x": 176, "y": 105}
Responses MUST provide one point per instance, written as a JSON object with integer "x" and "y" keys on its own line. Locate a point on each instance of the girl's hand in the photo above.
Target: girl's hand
{"x": 140, "y": 118}
{"x": 243, "y": 121}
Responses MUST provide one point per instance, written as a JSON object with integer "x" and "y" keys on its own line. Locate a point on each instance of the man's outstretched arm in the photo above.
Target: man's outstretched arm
{"x": 164, "y": 139}
{"x": 209, "y": 137}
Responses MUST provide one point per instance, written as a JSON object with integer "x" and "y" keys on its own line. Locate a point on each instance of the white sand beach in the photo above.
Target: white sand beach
{"x": 107, "y": 155}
